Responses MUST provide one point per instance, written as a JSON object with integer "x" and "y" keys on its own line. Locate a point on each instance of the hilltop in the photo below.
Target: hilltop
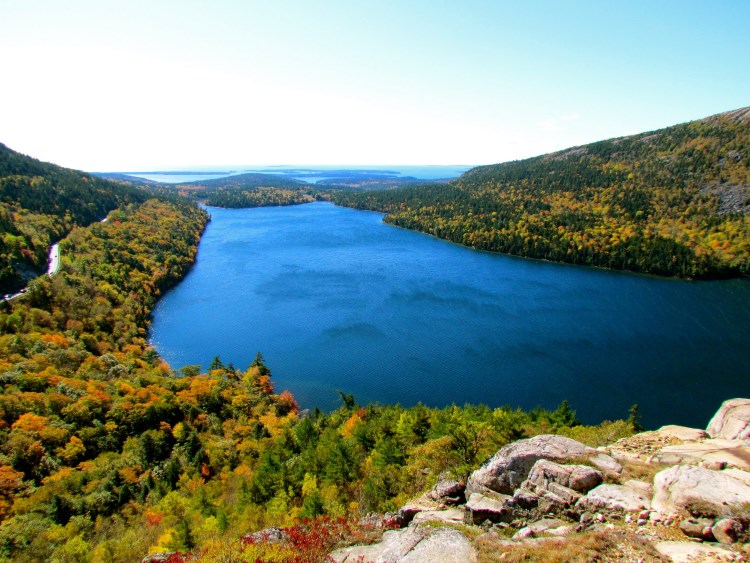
{"x": 40, "y": 203}
{"x": 675, "y": 494}
{"x": 673, "y": 202}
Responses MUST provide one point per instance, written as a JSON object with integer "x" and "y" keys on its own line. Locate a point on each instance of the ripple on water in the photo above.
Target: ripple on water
{"x": 335, "y": 299}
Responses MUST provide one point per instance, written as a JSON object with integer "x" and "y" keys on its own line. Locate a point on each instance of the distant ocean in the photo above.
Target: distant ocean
{"x": 310, "y": 174}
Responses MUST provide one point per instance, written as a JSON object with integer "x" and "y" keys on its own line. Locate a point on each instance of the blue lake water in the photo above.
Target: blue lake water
{"x": 335, "y": 299}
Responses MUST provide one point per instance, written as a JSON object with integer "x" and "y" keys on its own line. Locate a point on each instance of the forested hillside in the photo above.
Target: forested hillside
{"x": 107, "y": 453}
{"x": 261, "y": 190}
{"x": 673, "y": 202}
{"x": 39, "y": 204}
{"x": 364, "y": 183}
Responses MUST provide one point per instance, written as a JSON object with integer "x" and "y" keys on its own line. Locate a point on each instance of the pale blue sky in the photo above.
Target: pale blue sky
{"x": 103, "y": 85}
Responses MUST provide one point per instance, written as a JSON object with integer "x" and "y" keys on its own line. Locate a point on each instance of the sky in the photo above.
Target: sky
{"x": 160, "y": 85}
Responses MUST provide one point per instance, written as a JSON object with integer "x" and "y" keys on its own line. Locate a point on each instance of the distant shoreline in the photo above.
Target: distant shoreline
{"x": 306, "y": 173}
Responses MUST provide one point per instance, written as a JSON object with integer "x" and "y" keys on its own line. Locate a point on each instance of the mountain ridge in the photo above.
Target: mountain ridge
{"x": 671, "y": 202}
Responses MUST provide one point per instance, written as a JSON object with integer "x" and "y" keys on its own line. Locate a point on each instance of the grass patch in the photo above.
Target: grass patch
{"x": 581, "y": 548}
{"x": 471, "y": 532}
{"x": 641, "y": 471}
{"x": 603, "y": 434}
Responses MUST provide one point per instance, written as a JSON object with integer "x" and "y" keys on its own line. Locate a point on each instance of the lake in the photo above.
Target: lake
{"x": 336, "y": 299}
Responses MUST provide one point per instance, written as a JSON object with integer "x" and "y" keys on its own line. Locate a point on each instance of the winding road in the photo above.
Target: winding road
{"x": 52, "y": 268}
{"x": 54, "y": 260}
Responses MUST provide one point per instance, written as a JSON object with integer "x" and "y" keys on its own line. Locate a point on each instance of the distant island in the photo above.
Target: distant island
{"x": 673, "y": 202}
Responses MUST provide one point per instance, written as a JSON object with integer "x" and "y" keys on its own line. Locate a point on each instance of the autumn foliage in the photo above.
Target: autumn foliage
{"x": 674, "y": 202}
{"x": 107, "y": 453}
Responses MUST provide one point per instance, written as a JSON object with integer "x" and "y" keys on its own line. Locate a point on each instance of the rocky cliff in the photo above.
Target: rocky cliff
{"x": 674, "y": 494}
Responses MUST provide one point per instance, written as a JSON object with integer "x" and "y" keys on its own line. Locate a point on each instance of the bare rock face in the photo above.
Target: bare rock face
{"x": 446, "y": 545}
{"x": 725, "y": 444}
{"x": 698, "y": 528}
{"x": 393, "y": 546}
{"x": 543, "y": 526}
{"x": 640, "y": 486}
{"x": 448, "y": 516}
{"x": 714, "y": 453}
{"x": 447, "y": 490}
{"x": 731, "y": 421}
{"x": 614, "y": 498}
{"x": 683, "y": 433}
{"x": 727, "y": 530}
{"x": 407, "y": 512}
{"x": 642, "y": 446}
{"x": 738, "y": 474}
{"x": 481, "y": 508}
{"x": 413, "y": 544}
{"x": 680, "y": 551}
{"x": 705, "y": 490}
{"x": 507, "y": 469}
{"x": 552, "y": 486}
{"x": 270, "y": 535}
{"x": 699, "y": 491}
{"x": 580, "y": 478}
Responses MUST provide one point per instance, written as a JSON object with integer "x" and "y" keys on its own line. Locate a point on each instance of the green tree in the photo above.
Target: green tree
{"x": 348, "y": 399}
{"x": 468, "y": 439}
{"x": 564, "y": 415}
{"x": 634, "y": 418}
